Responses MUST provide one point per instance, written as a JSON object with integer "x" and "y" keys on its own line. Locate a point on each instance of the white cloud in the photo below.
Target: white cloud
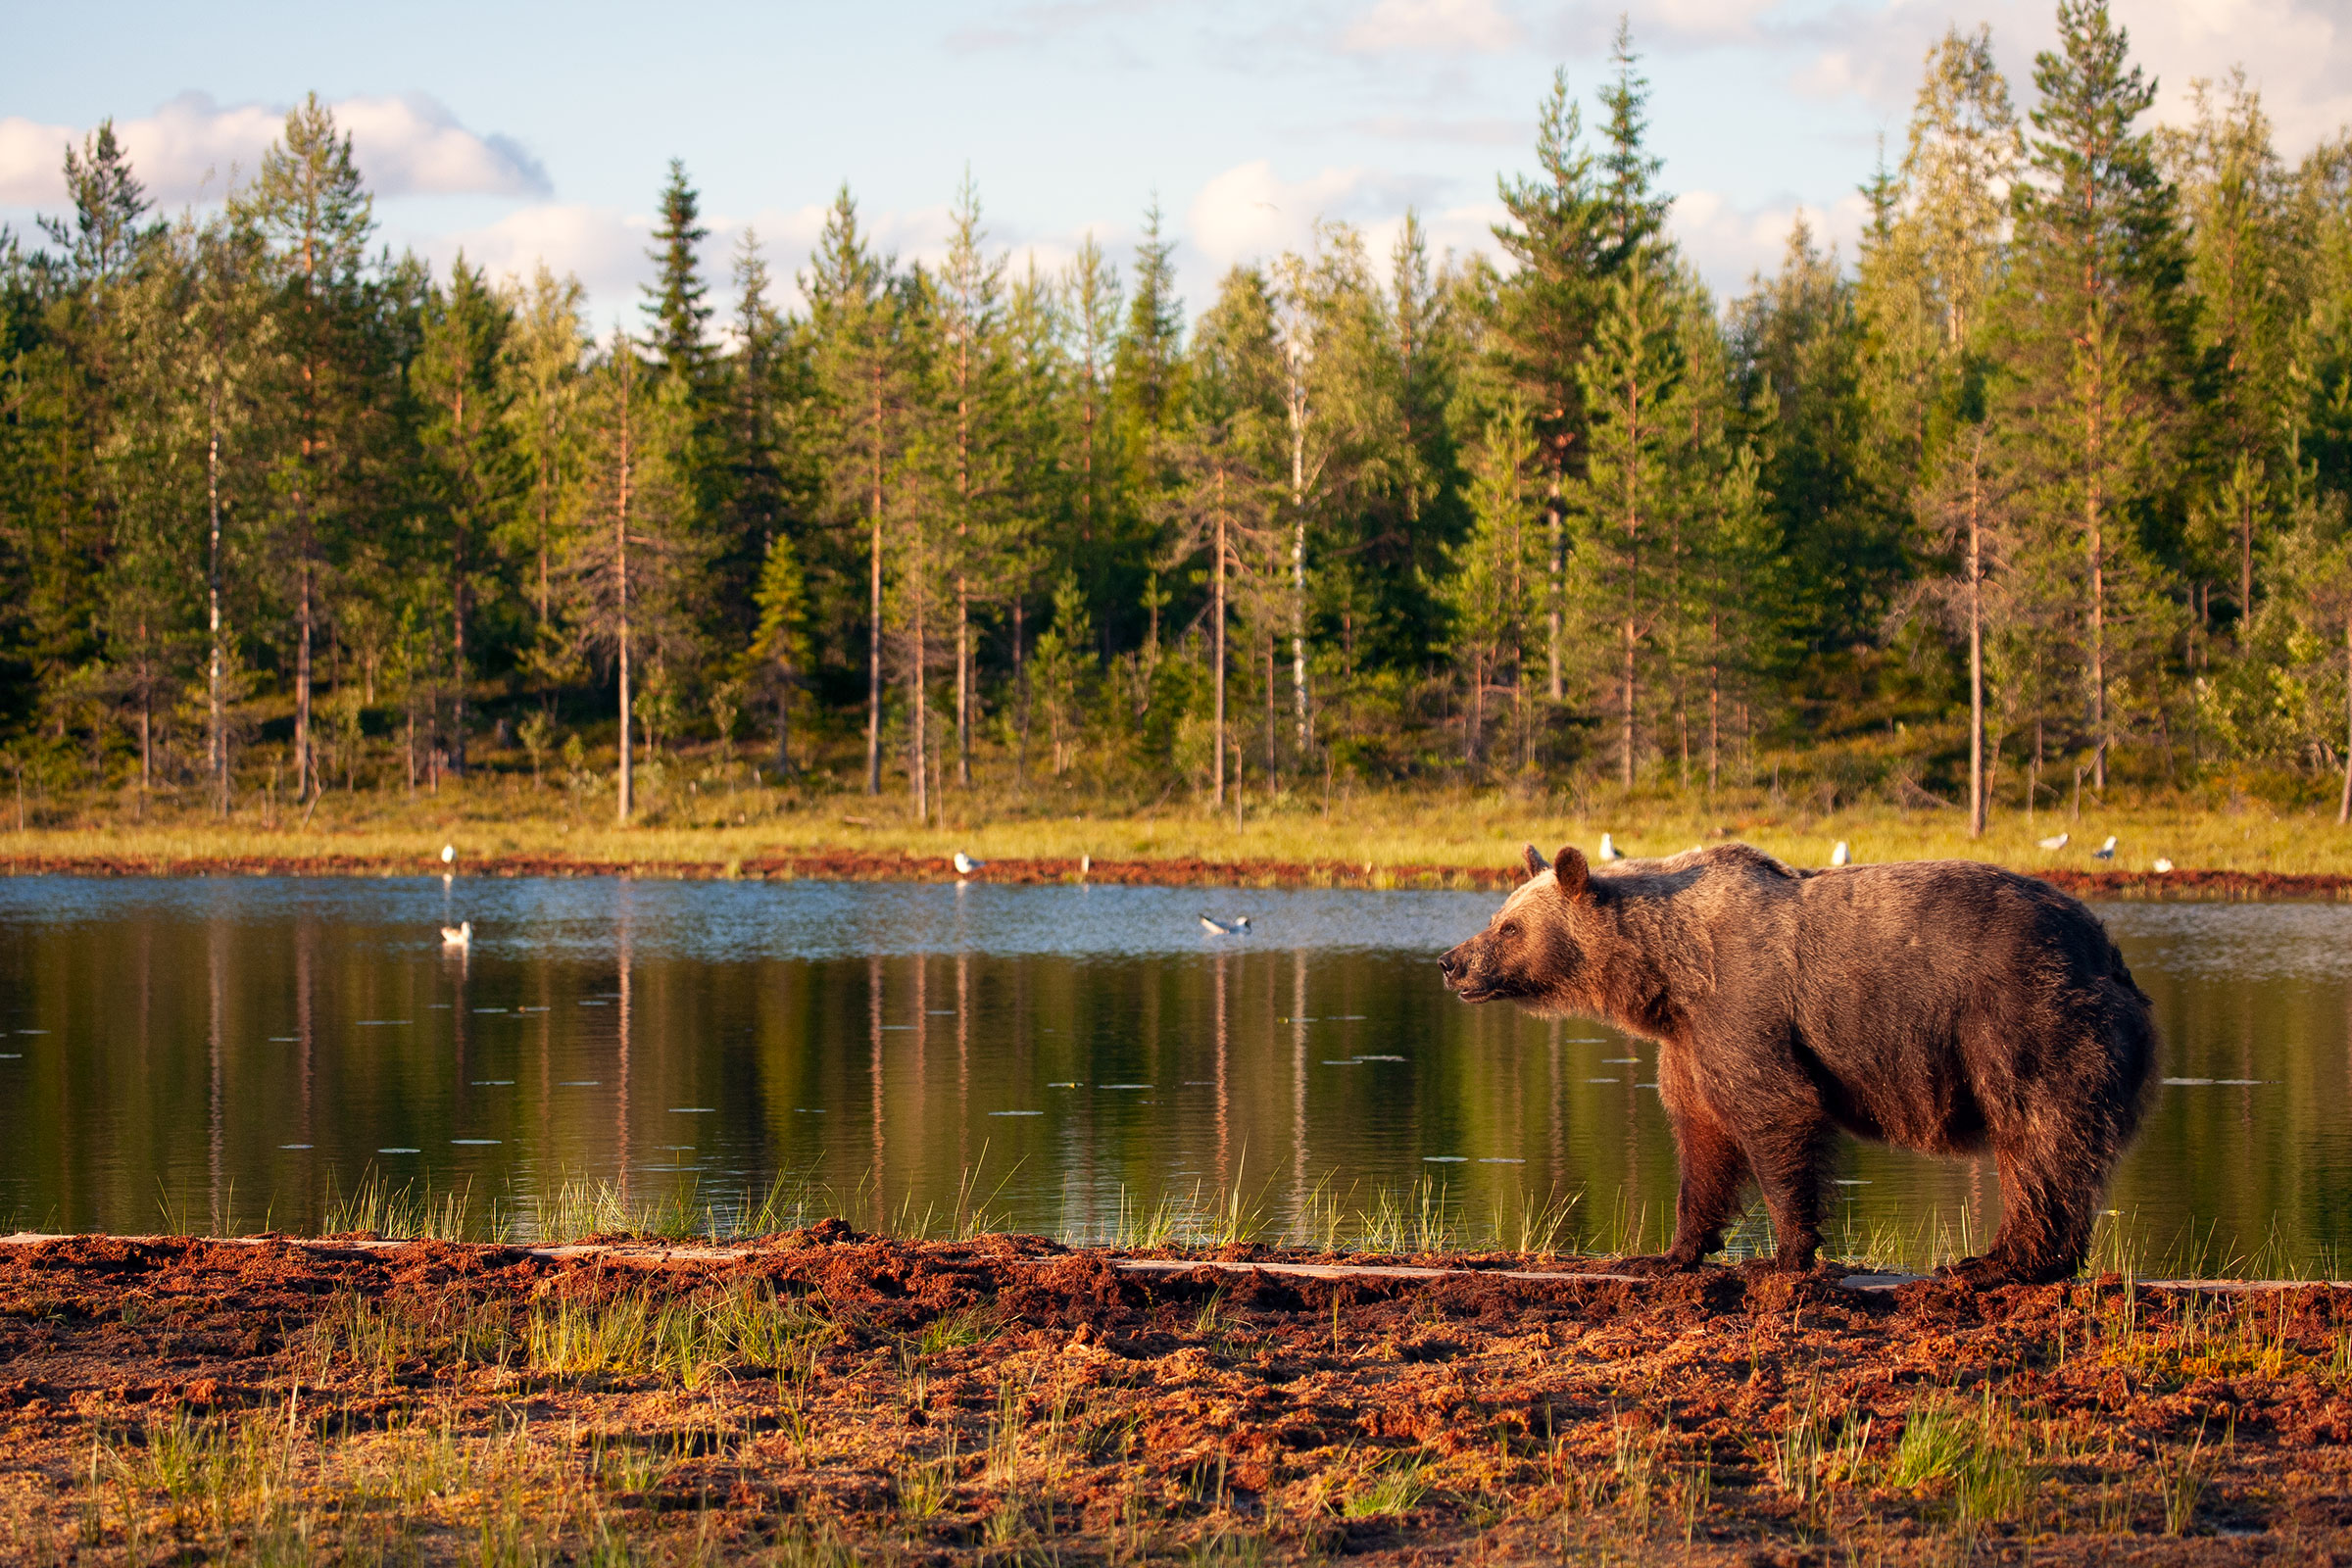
{"x": 1250, "y": 212}
{"x": 2297, "y": 52}
{"x": 190, "y": 148}
{"x": 1729, "y": 242}
{"x": 1432, "y": 27}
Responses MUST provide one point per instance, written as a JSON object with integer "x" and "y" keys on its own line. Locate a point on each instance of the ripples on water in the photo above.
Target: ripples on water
{"x": 236, "y": 1047}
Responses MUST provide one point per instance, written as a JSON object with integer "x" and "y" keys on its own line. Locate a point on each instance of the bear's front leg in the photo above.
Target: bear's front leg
{"x": 1714, "y": 1168}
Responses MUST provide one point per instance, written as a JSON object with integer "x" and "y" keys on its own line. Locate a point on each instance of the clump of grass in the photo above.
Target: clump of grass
{"x": 580, "y": 1208}
{"x": 411, "y": 1211}
{"x": 1395, "y": 1488}
{"x": 1982, "y": 1451}
{"x": 636, "y": 1333}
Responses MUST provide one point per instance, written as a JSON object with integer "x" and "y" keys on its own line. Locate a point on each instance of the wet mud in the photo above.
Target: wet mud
{"x": 832, "y": 1396}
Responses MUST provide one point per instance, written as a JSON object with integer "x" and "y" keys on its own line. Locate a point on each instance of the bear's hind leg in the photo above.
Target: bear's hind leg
{"x": 2045, "y": 1223}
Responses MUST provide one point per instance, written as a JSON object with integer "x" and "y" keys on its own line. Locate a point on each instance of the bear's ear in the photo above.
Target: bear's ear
{"x": 1536, "y": 865}
{"x": 1571, "y": 871}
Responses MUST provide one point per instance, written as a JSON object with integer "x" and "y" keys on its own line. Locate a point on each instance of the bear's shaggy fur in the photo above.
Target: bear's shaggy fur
{"x": 1938, "y": 1005}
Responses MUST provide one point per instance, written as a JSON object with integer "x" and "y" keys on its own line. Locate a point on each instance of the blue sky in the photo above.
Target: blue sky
{"x": 528, "y": 132}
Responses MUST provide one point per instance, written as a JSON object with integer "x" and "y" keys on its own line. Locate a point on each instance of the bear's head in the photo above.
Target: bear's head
{"x": 1528, "y": 952}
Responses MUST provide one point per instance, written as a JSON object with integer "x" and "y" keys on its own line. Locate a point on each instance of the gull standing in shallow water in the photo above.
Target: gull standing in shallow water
{"x": 966, "y": 866}
{"x": 1238, "y": 926}
{"x": 459, "y": 937}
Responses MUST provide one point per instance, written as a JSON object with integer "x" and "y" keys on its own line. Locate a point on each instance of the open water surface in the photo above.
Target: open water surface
{"x": 237, "y": 1049}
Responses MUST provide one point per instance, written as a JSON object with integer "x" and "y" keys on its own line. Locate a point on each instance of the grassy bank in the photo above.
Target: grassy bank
{"x": 508, "y": 821}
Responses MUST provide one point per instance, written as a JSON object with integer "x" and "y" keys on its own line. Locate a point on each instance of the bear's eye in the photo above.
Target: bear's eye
{"x": 1510, "y": 928}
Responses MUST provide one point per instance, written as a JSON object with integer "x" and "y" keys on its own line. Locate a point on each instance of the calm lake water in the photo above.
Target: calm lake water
{"x": 238, "y": 1050}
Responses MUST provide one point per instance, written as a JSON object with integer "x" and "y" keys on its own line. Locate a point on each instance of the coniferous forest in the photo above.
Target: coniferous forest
{"x": 2043, "y": 490}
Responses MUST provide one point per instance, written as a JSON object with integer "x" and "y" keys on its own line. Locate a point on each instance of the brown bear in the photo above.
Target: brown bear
{"x": 1941, "y": 1005}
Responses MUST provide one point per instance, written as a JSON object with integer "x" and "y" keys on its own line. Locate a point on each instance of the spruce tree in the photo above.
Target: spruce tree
{"x": 676, "y": 309}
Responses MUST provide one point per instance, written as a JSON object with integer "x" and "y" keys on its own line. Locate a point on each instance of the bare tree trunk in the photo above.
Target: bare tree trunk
{"x": 1975, "y": 643}
{"x": 2343, "y": 805}
{"x": 874, "y": 677}
{"x": 963, "y": 683}
{"x": 302, "y": 670}
{"x": 621, "y": 542}
{"x": 1555, "y": 510}
{"x": 457, "y": 595}
{"x": 918, "y": 768}
{"x": 2094, "y": 528}
{"x": 963, "y": 592}
{"x": 1217, "y": 645}
{"x": 1297, "y": 560}
{"x": 1020, "y": 693}
{"x": 2245, "y": 568}
{"x": 217, "y": 732}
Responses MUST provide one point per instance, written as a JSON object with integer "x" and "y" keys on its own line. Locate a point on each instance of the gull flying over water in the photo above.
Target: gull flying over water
{"x": 966, "y": 866}
{"x": 2056, "y": 842}
{"x": 1238, "y": 926}
{"x": 459, "y": 937}
{"x": 1609, "y": 850}
{"x": 2106, "y": 851}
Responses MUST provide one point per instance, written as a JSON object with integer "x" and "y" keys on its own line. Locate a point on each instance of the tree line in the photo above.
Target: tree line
{"x": 2052, "y": 478}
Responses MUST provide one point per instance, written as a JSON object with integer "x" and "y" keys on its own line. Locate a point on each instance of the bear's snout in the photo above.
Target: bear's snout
{"x": 1457, "y": 964}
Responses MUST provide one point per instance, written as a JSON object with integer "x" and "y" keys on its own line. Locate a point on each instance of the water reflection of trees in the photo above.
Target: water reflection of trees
{"x": 186, "y": 1050}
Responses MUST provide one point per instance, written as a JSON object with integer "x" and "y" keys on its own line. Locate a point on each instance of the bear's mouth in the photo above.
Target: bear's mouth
{"x": 1475, "y": 991}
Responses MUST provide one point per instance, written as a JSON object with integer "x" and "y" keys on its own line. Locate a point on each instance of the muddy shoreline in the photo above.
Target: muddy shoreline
{"x": 829, "y": 1397}
{"x": 856, "y": 865}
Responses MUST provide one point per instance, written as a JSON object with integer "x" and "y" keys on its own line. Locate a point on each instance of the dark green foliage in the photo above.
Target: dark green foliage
{"x": 1395, "y": 517}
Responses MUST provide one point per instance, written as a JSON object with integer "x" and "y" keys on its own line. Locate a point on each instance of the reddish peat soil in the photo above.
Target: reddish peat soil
{"x": 857, "y": 865}
{"x": 833, "y": 1397}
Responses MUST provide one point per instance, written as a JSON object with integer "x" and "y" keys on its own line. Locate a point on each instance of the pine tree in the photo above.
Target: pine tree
{"x": 476, "y": 473}
{"x": 1091, "y": 288}
{"x": 2233, "y": 197}
{"x": 1624, "y": 504}
{"x": 2093, "y": 344}
{"x": 107, "y": 230}
{"x": 974, "y": 366}
{"x": 1224, "y": 465}
{"x": 630, "y": 562}
{"x": 309, "y": 203}
{"x": 545, "y": 351}
{"x": 1493, "y": 590}
{"x": 864, "y": 381}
